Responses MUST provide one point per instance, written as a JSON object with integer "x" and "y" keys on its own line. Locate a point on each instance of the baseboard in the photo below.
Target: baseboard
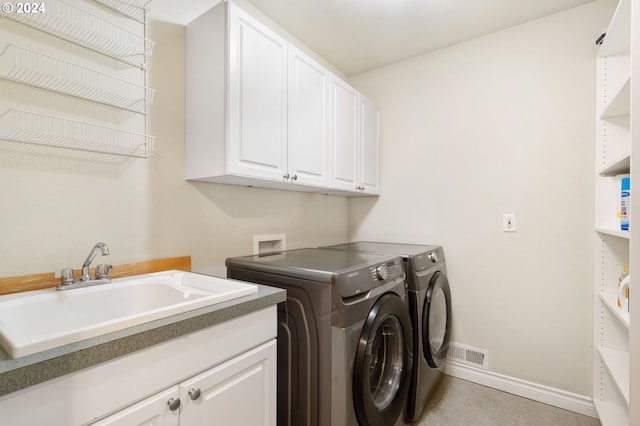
{"x": 558, "y": 398}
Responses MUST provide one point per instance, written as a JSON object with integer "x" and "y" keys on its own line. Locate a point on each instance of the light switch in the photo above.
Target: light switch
{"x": 509, "y": 222}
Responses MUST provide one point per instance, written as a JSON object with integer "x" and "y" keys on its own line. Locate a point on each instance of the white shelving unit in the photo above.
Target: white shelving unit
{"x": 103, "y": 26}
{"x": 611, "y": 357}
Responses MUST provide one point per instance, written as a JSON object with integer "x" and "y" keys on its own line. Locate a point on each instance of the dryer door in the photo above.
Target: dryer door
{"x": 383, "y": 362}
{"x": 436, "y": 320}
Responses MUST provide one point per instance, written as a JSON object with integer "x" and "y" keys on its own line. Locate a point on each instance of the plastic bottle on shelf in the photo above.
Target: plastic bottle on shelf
{"x": 624, "y": 274}
{"x": 625, "y": 203}
{"x": 623, "y": 293}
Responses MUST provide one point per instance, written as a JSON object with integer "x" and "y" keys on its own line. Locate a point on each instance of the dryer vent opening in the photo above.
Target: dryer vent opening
{"x": 469, "y": 355}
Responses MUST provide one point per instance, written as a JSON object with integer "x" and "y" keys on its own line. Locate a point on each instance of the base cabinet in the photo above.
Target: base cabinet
{"x": 239, "y": 392}
{"x": 232, "y": 364}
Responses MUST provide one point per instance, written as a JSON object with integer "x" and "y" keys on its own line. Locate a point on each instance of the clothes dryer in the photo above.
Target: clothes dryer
{"x": 344, "y": 335}
{"x": 429, "y": 303}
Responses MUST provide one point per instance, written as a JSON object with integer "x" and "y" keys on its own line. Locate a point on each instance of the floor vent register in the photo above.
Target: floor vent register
{"x": 468, "y": 355}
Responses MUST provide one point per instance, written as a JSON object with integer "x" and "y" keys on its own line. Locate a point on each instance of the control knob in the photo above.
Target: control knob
{"x": 433, "y": 257}
{"x": 383, "y": 272}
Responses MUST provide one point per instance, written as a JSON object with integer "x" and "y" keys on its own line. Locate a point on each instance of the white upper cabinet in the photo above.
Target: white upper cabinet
{"x": 354, "y": 140}
{"x": 369, "y": 149}
{"x": 308, "y": 137}
{"x": 259, "y": 112}
{"x": 257, "y": 98}
{"x": 344, "y": 135}
{"x": 236, "y": 106}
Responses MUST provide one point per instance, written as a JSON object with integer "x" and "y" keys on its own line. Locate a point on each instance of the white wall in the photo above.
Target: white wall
{"x": 53, "y": 210}
{"x": 500, "y": 124}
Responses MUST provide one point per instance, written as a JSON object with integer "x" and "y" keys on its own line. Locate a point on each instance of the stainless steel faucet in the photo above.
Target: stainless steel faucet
{"x": 85, "y": 267}
{"x": 67, "y": 279}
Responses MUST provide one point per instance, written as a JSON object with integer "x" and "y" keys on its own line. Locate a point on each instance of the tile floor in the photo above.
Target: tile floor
{"x": 461, "y": 403}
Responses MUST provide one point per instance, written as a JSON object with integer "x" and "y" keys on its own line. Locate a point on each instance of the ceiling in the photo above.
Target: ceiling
{"x": 360, "y": 35}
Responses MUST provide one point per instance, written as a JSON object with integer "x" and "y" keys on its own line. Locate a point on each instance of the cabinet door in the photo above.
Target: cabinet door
{"x": 152, "y": 411}
{"x": 369, "y": 137}
{"x": 257, "y": 134}
{"x": 308, "y": 138}
{"x": 344, "y": 135}
{"x": 239, "y": 392}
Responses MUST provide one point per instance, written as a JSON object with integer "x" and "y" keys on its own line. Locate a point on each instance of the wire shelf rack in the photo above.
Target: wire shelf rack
{"x": 41, "y": 129}
{"x": 134, "y": 9}
{"x": 36, "y": 69}
{"x": 85, "y": 29}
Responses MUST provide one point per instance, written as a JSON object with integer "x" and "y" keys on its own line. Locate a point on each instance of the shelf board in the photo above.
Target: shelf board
{"x": 618, "y": 166}
{"x": 620, "y": 103}
{"x": 618, "y": 38}
{"x": 611, "y": 301}
{"x": 611, "y": 414}
{"x": 617, "y": 363}
{"x": 615, "y": 232}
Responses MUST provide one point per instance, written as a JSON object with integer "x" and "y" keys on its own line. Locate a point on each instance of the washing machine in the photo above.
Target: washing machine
{"x": 429, "y": 303}
{"x": 344, "y": 335}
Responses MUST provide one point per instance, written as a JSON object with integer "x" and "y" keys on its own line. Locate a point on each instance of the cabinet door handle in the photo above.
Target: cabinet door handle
{"x": 286, "y": 176}
{"x": 295, "y": 177}
{"x": 173, "y": 403}
{"x": 194, "y": 393}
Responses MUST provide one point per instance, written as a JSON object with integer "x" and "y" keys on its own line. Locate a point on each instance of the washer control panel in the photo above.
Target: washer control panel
{"x": 382, "y": 272}
{"x": 361, "y": 281}
{"x": 387, "y": 271}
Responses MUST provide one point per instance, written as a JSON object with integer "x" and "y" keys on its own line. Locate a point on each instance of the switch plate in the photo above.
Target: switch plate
{"x": 509, "y": 222}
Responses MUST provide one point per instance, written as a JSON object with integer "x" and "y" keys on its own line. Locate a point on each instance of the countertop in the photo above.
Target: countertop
{"x": 20, "y": 373}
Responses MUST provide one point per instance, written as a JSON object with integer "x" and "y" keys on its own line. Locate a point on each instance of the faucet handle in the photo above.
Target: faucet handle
{"x": 66, "y": 276}
{"x": 102, "y": 271}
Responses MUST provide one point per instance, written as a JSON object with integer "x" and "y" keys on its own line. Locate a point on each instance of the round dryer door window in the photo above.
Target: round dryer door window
{"x": 383, "y": 360}
{"x": 436, "y": 320}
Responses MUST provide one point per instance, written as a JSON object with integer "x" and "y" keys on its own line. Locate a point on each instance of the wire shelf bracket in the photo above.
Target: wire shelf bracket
{"x": 39, "y": 70}
{"x": 134, "y": 9}
{"x": 78, "y": 26}
{"x": 41, "y": 129}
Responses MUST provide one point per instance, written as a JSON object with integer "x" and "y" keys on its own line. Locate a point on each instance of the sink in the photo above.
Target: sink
{"x": 35, "y": 321}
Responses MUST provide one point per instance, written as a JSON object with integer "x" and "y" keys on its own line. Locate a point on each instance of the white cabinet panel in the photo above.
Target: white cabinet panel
{"x": 354, "y": 140}
{"x": 153, "y": 411}
{"x": 344, "y": 136}
{"x": 257, "y": 98}
{"x": 239, "y": 392}
{"x": 308, "y": 138}
{"x": 369, "y": 160}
